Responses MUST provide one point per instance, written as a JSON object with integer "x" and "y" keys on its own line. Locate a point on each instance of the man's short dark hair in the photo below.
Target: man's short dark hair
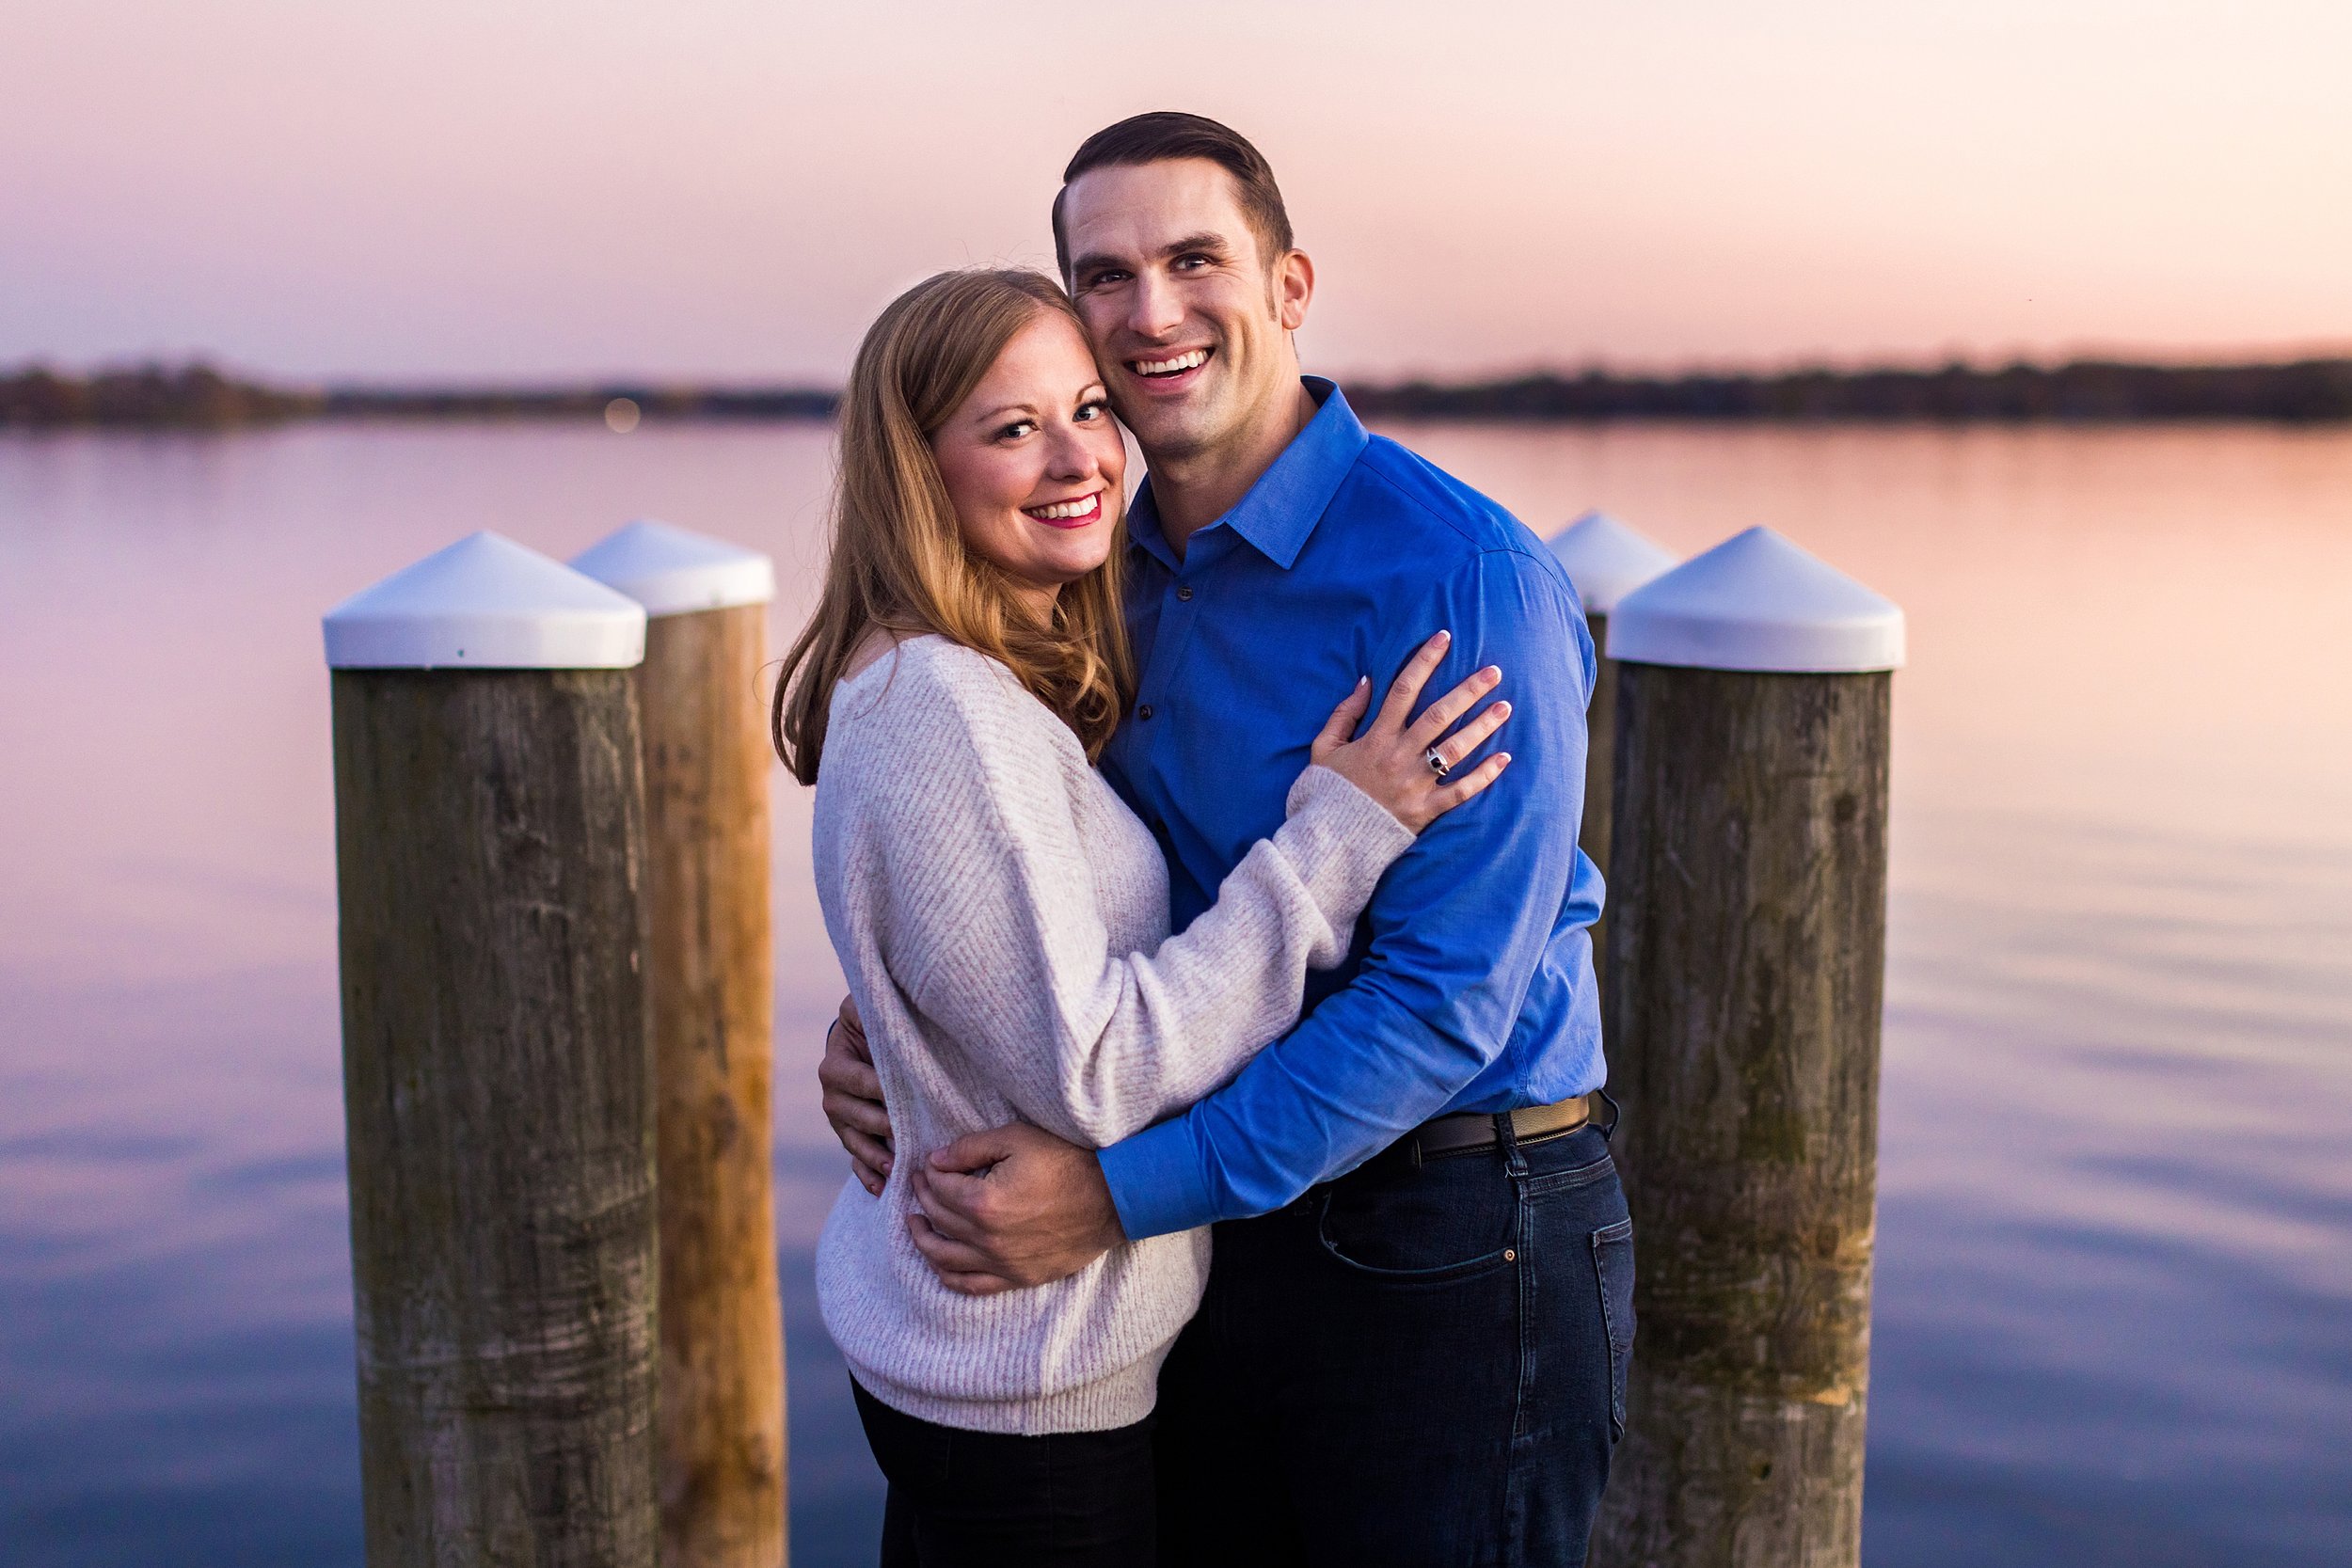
{"x": 1162, "y": 136}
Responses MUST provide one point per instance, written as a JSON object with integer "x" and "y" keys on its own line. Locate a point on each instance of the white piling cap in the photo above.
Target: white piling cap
{"x": 1758, "y": 602}
{"x": 673, "y": 571}
{"x": 486, "y": 603}
{"x": 1607, "y": 559}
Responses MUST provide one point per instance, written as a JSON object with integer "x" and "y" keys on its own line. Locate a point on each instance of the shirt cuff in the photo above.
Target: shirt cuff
{"x": 1155, "y": 1179}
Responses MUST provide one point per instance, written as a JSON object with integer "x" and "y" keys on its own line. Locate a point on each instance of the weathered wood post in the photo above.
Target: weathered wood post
{"x": 1748, "y": 958}
{"x": 489, "y": 836}
{"x": 1606, "y": 560}
{"x": 713, "y": 979}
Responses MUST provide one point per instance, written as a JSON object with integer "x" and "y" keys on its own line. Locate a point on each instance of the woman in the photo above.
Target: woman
{"x": 1003, "y": 918}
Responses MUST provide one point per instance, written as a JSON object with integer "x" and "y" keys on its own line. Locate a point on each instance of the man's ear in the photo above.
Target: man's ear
{"x": 1293, "y": 288}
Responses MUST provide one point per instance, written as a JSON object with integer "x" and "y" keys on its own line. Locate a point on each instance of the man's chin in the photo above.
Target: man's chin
{"x": 1171, "y": 428}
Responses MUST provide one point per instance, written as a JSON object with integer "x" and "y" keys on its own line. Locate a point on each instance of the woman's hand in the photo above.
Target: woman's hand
{"x": 1390, "y": 763}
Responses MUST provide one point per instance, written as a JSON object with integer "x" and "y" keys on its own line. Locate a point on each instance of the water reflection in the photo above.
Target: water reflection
{"x": 2115, "y": 1291}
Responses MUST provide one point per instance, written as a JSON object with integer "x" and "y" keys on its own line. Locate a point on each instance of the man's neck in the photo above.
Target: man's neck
{"x": 1195, "y": 489}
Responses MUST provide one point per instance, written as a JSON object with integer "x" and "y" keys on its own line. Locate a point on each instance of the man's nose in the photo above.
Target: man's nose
{"x": 1155, "y": 311}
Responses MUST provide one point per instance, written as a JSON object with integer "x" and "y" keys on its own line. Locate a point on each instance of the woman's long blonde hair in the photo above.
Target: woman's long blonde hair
{"x": 897, "y": 559}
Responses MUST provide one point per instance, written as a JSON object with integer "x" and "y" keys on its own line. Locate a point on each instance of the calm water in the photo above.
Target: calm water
{"x": 2114, "y": 1317}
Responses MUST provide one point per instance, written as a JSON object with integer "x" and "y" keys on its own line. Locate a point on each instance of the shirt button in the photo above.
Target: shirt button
{"x": 1144, "y": 712}
{"x": 1183, "y": 591}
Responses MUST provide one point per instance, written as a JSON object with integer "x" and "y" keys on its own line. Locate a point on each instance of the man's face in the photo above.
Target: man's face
{"x": 1188, "y": 325}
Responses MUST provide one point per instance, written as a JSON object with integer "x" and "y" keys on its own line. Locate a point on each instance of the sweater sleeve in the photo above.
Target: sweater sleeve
{"x": 989, "y": 925}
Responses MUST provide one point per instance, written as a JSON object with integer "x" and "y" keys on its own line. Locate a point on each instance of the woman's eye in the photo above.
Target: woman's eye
{"x": 1089, "y": 410}
{"x": 1014, "y": 430}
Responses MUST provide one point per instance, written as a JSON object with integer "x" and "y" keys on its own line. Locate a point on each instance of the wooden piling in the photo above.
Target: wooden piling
{"x": 497, "y": 1089}
{"x": 1606, "y": 560}
{"x": 712, "y": 975}
{"x": 1743, "y": 1016}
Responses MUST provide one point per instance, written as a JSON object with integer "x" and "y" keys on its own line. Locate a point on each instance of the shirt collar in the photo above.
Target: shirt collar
{"x": 1281, "y": 509}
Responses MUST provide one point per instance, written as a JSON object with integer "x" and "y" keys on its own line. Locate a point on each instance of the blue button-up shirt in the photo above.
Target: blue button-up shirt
{"x": 1470, "y": 984}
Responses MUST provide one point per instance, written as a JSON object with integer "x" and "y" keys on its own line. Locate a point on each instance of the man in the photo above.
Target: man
{"x": 1414, "y": 1342}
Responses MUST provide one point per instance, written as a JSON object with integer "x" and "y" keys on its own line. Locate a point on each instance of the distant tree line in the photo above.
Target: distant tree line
{"x": 148, "y": 396}
{"x": 198, "y": 396}
{"x": 2086, "y": 390}
{"x": 670, "y": 402}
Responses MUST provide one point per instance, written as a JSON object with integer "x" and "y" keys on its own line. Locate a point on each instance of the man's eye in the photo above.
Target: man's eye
{"x": 1106, "y": 277}
{"x": 1194, "y": 260}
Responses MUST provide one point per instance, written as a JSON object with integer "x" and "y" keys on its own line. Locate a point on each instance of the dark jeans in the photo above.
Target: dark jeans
{"x": 1421, "y": 1365}
{"x": 976, "y": 1499}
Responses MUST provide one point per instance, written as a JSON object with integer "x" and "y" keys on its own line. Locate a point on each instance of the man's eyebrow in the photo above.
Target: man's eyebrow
{"x": 1202, "y": 241}
{"x": 1093, "y": 259}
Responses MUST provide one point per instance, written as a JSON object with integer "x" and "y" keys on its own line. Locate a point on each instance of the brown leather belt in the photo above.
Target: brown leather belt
{"x": 1466, "y": 1130}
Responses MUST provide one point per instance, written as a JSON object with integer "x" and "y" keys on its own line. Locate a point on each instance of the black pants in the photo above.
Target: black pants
{"x": 1415, "y": 1365}
{"x": 974, "y": 1499}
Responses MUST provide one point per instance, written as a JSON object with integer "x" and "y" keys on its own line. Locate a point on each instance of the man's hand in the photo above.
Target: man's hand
{"x": 853, "y": 1099}
{"x": 1011, "y": 1207}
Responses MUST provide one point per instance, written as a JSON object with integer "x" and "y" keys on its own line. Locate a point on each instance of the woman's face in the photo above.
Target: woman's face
{"x": 1033, "y": 462}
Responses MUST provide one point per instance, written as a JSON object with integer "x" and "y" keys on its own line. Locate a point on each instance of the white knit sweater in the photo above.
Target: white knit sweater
{"x": 1002, "y": 918}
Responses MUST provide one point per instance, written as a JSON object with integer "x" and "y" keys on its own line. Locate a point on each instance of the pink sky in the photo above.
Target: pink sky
{"x": 732, "y": 189}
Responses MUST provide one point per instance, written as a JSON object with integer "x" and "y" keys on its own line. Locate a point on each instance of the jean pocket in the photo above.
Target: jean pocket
{"x": 1388, "y": 1242}
{"x": 1612, "y": 1265}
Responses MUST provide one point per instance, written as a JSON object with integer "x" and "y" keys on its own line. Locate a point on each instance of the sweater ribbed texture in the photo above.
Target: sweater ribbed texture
{"x": 1002, "y": 919}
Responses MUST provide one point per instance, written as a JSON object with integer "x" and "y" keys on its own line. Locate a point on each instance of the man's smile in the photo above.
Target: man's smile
{"x": 1171, "y": 367}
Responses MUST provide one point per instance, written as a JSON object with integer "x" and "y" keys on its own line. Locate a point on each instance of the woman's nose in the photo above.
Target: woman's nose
{"x": 1072, "y": 456}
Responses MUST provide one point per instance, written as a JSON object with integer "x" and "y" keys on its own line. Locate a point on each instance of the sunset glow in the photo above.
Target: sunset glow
{"x": 731, "y": 189}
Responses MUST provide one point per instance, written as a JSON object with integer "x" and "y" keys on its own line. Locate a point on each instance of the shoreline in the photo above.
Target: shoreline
{"x": 2080, "y": 393}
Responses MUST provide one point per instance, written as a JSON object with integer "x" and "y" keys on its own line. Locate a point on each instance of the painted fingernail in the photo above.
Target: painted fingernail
{"x": 1503, "y": 710}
